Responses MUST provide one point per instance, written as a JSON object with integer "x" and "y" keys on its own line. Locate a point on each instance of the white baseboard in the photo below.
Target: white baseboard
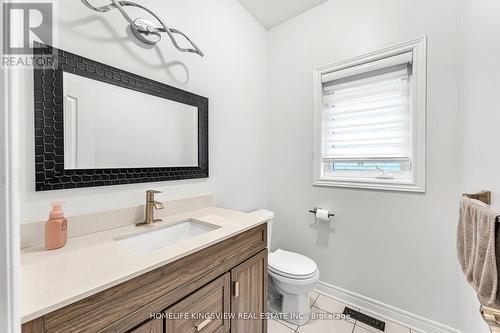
{"x": 415, "y": 322}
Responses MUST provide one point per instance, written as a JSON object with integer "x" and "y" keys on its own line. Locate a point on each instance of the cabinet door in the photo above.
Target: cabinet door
{"x": 205, "y": 311}
{"x": 249, "y": 295}
{"x": 153, "y": 326}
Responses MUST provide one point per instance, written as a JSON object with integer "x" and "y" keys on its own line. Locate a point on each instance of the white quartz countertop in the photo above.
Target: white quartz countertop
{"x": 95, "y": 262}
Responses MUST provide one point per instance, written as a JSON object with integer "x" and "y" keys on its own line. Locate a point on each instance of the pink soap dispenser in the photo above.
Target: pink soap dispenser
{"x": 56, "y": 228}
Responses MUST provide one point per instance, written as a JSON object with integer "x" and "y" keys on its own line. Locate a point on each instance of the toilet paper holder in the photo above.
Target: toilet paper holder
{"x": 313, "y": 211}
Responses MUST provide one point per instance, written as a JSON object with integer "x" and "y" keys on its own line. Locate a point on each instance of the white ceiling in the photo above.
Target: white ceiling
{"x": 274, "y": 12}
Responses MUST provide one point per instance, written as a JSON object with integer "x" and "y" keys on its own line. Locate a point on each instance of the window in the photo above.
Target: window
{"x": 370, "y": 120}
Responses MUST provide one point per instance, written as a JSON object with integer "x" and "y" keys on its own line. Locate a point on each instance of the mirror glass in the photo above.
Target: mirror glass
{"x": 110, "y": 127}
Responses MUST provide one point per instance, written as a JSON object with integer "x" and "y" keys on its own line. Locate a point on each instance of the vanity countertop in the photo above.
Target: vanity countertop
{"x": 92, "y": 263}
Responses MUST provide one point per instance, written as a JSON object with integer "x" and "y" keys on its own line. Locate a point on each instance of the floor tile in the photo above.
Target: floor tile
{"x": 326, "y": 325}
{"x": 390, "y": 327}
{"x": 313, "y": 296}
{"x": 274, "y": 327}
{"x": 287, "y": 324}
{"x": 358, "y": 329}
{"x": 330, "y": 305}
{"x": 321, "y": 304}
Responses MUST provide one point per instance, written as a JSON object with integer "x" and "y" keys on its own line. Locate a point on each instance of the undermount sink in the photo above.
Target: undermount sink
{"x": 159, "y": 237}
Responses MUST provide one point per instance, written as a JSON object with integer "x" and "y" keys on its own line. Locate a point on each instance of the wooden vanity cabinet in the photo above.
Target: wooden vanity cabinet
{"x": 227, "y": 278}
{"x": 152, "y": 326}
{"x": 213, "y": 299}
{"x": 238, "y": 297}
{"x": 249, "y": 299}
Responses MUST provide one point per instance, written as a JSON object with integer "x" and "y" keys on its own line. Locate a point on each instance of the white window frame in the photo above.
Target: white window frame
{"x": 418, "y": 115}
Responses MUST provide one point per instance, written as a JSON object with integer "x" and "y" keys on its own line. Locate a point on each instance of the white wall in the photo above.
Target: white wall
{"x": 393, "y": 247}
{"x": 5, "y": 243}
{"x": 233, "y": 75}
{"x": 9, "y": 217}
{"x": 480, "y": 89}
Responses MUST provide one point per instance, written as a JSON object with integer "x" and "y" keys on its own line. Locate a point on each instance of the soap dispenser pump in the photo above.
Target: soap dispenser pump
{"x": 56, "y": 228}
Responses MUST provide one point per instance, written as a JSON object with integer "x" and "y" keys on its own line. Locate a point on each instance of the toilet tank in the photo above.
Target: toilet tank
{"x": 269, "y": 217}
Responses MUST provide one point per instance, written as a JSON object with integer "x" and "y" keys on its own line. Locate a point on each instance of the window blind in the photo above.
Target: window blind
{"x": 366, "y": 116}
{"x": 403, "y": 58}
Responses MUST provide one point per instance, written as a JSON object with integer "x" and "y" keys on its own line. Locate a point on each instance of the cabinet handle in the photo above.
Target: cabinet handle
{"x": 203, "y": 324}
{"x": 236, "y": 289}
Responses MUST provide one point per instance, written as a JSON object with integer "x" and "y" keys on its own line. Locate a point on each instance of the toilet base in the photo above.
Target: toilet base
{"x": 297, "y": 308}
{"x": 293, "y": 308}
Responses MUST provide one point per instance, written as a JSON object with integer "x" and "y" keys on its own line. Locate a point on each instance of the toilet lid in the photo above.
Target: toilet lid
{"x": 291, "y": 264}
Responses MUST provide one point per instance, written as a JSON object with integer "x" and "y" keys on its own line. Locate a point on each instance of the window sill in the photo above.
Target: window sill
{"x": 372, "y": 185}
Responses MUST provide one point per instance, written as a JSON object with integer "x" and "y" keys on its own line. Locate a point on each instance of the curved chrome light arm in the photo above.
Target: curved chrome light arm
{"x": 146, "y": 30}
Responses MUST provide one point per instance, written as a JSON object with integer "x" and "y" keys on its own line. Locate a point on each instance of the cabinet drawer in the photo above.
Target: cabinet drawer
{"x": 204, "y": 311}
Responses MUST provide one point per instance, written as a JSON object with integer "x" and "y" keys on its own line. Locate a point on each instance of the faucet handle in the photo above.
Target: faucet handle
{"x": 150, "y": 195}
{"x": 154, "y": 191}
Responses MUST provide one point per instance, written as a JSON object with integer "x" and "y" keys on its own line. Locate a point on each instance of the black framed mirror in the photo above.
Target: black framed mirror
{"x": 97, "y": 125}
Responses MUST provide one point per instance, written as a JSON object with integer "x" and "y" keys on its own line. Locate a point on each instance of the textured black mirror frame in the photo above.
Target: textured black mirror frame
{"x": 49, "y": 125}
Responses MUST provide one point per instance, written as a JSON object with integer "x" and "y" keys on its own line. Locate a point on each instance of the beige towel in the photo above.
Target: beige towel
{"x": 476, "y": 247}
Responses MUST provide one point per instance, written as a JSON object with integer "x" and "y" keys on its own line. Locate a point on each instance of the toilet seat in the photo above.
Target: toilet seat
{"x": 292, "y": 265}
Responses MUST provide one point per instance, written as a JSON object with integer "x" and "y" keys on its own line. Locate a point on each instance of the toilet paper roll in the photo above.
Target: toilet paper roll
{"x": 323, "y": 215}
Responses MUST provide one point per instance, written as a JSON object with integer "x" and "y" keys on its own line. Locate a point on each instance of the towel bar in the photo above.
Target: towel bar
{"x": 484, "y": 196}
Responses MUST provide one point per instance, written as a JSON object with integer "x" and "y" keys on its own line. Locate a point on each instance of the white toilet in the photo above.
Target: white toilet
{"x": 292, "y": 277}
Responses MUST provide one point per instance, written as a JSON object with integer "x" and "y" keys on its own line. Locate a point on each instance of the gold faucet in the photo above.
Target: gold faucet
{"x": 151, "y": 206}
